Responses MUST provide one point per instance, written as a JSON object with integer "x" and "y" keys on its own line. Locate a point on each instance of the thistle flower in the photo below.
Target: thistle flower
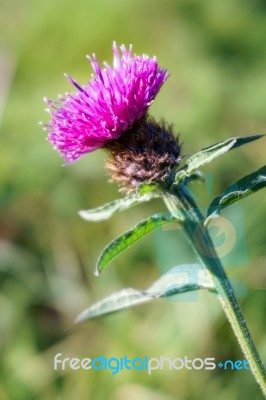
{"x": 108, "y": 105}
{"x": 110, "y": 112}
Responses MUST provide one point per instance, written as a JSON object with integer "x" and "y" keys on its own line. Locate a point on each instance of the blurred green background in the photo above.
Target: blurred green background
{"x": 215, "y": 52}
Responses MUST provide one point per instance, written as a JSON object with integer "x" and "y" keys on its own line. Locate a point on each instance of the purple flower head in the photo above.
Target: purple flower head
{"x": 105, "y": 107}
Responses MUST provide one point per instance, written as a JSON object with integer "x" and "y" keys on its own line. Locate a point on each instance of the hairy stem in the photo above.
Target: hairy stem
{"x": 202, "y": 245}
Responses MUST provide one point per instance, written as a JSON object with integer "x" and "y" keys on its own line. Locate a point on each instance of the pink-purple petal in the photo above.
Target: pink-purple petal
{"x": 108, "y": 105}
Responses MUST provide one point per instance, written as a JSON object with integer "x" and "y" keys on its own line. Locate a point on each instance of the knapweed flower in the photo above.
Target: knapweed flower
{"x": 111, "y": 112}
{"x": 108, "y": 105}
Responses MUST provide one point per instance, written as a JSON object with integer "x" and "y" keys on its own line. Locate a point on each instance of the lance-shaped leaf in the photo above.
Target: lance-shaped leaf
{"x": 208, "y": 154}
{"x": 133, "y": 235}
{"x": 237, "y": 191}
{"x": 106, "y": 211}
{"x": 178, "y": 280}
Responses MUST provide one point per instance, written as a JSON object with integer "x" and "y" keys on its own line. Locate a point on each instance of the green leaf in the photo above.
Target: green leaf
{"x": 180, "y": 279}
{"x": 133, "y": 235}
{"x": 244, "y": 140}
{"x": 106, "y": 211}
{"x": 237, "y": 191}
{"x": 208, "y": 154}
{"x": 196, "y": 176}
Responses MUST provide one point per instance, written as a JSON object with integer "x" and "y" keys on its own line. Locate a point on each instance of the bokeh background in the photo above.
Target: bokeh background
{"x": 216, "y": 54}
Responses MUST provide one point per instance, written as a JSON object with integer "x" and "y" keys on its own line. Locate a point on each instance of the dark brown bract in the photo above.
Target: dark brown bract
{"x": 146, "y": 153}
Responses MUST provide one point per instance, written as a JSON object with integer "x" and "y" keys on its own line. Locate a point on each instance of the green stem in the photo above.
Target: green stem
{"x": 201, "y": 242}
